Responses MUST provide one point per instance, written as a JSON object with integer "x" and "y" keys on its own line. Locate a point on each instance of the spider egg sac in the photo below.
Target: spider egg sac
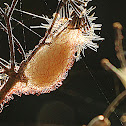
{"x": 49, "y": 66}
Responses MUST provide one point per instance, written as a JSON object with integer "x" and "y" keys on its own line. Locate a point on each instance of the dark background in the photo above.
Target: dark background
{"x": 88, "y": 88}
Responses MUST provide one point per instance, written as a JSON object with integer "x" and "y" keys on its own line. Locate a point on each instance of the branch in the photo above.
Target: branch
{"x": 118, "y": 44}
{"x": 15, "y": 40}
{"x": 10, "y": 35}
{"x": 121, "y": 73}
{"x": 1, "y": 11}
{"x": 10, "y": 12}
{"x": 114, "y": 104}
{"x": 3, "y": 66}
{"x": 11, "y": 42}
{"x": 34, "y": 15}
{"x": 4, "y": 61}
{"x": 26, "y": 27}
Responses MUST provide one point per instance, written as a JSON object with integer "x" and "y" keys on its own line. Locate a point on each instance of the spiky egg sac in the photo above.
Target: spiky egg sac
{"x": 49, "y": 66}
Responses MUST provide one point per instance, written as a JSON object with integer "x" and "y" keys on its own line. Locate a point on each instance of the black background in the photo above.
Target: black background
{"x": 88, "y": 88}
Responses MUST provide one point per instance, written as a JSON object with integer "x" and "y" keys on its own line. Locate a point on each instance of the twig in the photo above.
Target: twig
{"x": 1, "y": 11}
{"x": 3, "y": 66}
{"x": 11, "y": 43}
{"x": 9, "y": 31}
{"x": 114, "y": 104}
{"x": 34, "y": 15}
{"x": 118, "y": 44}
{"x": 10, "y": 12}
{"x": 108, "y": 66}
{"x": 121, "y": 73}
{"x": 15, "y": 40}
{"x": 11, "y": 72}
{"x": 26, "y": 27}
{"x": 4, "y": 61}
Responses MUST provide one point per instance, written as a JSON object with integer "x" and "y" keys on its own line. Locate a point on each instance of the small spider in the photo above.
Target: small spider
{"x": 69, "y": 32}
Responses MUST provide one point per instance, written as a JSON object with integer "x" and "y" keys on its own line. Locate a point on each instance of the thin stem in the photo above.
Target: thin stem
{"x": 1, "y": 11}
{"x": 3, "y": 66}
{"x": 108, "y": 66}
{"x": 10, "y": 12}
{"x": 34, "y": 15}
{"x": 10, "y": 35}
{"x": 9, "y": 32}
{"x": 4, "y": 61}
{"x": 114, "y": 104}
{"x": 11, "y": 43}
{"x": 10, "y": 39}
{"x": 118, "y": 44}
{"x": 15, "y": 41}
{"x": 26, "y": 27}
{"x": 119, "y": 72}
{"x": 21, "y": 50}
